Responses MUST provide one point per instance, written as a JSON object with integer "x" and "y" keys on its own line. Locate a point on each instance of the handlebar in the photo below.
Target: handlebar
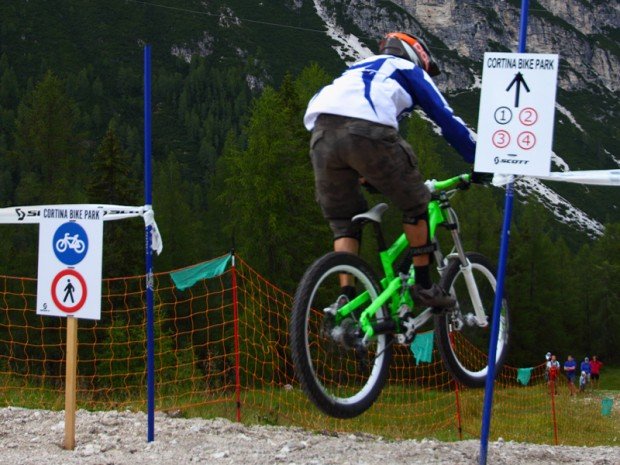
{"x": 461, "y": 181}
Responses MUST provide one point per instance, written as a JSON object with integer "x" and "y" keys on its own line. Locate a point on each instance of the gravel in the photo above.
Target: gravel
{"x": 119, "y": 438}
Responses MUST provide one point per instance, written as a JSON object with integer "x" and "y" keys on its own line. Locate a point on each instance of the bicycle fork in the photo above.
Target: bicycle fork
{"x": 479, "y": 317}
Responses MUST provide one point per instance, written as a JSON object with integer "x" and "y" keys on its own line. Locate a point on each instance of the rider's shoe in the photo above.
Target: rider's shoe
{"x": 433, "y": 297}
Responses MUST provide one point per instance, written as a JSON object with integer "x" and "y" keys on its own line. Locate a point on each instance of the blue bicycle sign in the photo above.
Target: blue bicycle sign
{"x": 70, "y": 243}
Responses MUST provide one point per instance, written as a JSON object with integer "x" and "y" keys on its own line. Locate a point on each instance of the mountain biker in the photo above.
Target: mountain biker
{"x": 355, "y": 141}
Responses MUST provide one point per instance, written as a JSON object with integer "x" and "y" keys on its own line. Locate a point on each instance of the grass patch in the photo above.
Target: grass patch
{"x": 610, "y": 379}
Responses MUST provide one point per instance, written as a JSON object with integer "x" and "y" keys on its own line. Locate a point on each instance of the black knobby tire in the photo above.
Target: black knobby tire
{"x": 465, "y": 351}
{"x": 339, "y": 378}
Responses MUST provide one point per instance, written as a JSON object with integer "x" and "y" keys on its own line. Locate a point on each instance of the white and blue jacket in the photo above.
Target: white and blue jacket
{"x": 385, "y": 88}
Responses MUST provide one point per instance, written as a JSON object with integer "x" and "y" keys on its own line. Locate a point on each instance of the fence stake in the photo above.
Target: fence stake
{"x": 458, "y": 410}
{"x": 236, "y": 337}
{"x": 553, "y": 417}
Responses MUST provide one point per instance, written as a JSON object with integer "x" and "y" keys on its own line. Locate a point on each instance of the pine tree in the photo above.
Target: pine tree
{"x": 112, "y": 182}
{"x": 181, "y": 228}
{"x": 603, "y": 281}
{"x": 49, "y": 161}
{"x": 269, "y": 191}
{"x": 531, "y": 289}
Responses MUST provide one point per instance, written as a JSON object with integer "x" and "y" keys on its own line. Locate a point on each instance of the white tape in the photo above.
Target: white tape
{"x": 32, "y": 215}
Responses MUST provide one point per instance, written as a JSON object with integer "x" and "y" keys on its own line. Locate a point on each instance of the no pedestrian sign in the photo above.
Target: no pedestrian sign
{"x": 517, "y": 107}
{"x": 70, "y": 258}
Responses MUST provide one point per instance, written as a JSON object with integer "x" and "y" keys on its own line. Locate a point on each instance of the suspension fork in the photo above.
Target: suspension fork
{"x": 466, "y": 269}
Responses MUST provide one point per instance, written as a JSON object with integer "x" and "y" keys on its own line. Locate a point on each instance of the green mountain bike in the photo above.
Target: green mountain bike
{"x": 342, "y": 351}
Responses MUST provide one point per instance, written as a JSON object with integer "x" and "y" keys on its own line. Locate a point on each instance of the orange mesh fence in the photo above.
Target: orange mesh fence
{"x": 221, "y": 350}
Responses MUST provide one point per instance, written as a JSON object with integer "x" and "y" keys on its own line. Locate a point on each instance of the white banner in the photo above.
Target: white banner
{"x": 594, "y": 177}
{"x": 597, "y": 177}
{"x": 33, "y": 215}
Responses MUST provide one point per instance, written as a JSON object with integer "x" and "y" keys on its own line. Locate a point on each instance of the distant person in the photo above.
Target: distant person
{"x": 552, "y": 370}
{"x": 570, "y": 370}
{"x": 547, "y": 358}
{"x": 583, "y": 381}
{"x": 595, "y": 370}
{"x": 587, "y": 369}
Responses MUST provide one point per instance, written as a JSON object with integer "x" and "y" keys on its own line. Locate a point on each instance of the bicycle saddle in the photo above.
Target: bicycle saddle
{"x": 374, "y": 214}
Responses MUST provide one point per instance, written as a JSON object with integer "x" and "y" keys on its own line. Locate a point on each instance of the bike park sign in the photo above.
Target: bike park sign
{"x": 517, "y": 106}
{"x": 70, "y": 259}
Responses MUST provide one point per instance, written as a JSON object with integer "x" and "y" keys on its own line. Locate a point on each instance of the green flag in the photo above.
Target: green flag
{"x": 524, "y": 375}
{"x": 422, "y": 347}
{"x": 187, "y": 277}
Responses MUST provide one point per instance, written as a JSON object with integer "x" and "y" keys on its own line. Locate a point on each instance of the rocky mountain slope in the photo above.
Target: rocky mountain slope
{"x": 274, "y": 37}
{"x": 584, "y": 33}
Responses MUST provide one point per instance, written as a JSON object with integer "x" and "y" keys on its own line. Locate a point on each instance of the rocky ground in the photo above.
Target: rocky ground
{"x": 29, "y": 437}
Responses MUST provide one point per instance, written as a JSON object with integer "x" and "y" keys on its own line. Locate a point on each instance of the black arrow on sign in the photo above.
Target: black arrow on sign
{"x": 518, "y": 79}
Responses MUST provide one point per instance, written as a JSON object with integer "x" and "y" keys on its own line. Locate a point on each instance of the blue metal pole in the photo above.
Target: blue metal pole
{"x": 525, "y": 5}
{"x": 499, "y": 290}
{"x": 148, "y": 196}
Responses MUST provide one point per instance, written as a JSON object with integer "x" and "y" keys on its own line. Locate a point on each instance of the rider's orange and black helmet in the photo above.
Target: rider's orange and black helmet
{"x": 410, "y": 48}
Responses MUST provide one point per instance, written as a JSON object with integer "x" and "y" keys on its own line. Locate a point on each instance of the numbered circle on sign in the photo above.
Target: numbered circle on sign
{"x": 526, "y": 140}
{"x": 501, "y": 139}
{"x": 528, "y": 116}
{"x": 503, "y": 115}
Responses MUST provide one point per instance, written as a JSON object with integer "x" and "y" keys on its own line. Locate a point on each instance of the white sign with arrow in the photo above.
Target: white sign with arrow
{"x": 517, "y": 106}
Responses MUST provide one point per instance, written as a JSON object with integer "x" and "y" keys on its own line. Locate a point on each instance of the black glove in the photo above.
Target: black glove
{"x": 486, "y": 179}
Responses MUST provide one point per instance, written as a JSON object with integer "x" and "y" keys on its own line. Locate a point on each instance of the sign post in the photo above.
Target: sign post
{"x": 70, "y": 384}
{"x": 500, "y": 142}
{"x": 69, "y": 281}
{"x": 69, "y": 276}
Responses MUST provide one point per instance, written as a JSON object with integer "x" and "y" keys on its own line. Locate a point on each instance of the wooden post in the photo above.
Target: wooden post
{"x": 70, "y": 383}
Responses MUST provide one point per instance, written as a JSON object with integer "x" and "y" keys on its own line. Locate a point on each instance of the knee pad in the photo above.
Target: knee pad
{"x": 429, "y": 247}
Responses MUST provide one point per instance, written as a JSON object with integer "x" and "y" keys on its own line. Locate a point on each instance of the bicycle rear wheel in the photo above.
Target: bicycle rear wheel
{"x": 463, "y": 343}
{"x": 339, "y": 375}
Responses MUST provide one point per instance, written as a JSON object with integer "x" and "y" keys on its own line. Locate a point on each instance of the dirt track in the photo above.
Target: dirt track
{"x": 29, "y": 437}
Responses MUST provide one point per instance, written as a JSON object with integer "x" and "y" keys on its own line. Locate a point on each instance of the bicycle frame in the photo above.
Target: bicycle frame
{"x": 395, "y": 287}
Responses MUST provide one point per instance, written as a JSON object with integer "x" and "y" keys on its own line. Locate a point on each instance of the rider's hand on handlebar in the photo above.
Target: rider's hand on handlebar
{"x": 486, "y": 179}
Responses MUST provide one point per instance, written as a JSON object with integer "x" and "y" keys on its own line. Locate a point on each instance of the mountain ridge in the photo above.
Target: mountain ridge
{"x": 352, "y": 48}
{"x": 270, "y": 39}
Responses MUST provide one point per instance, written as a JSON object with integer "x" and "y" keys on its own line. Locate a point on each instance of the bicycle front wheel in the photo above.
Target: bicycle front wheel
{"x": 339, "y": 374}
{"x": 464, "y": 340}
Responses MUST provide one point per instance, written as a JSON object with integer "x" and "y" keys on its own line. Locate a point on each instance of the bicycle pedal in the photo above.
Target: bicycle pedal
{"x": 407, "y": 324}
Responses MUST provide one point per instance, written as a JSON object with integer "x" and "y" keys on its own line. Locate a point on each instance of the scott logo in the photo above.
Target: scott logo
{"x": 509, "y": 161}
{"x": 21, "y": 214}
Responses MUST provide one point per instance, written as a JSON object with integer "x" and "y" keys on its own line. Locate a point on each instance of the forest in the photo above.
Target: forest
{"x": 231, "y": 170}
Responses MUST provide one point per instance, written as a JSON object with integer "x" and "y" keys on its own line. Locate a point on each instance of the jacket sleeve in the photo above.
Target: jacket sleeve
{"x": 453, "y": 129}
